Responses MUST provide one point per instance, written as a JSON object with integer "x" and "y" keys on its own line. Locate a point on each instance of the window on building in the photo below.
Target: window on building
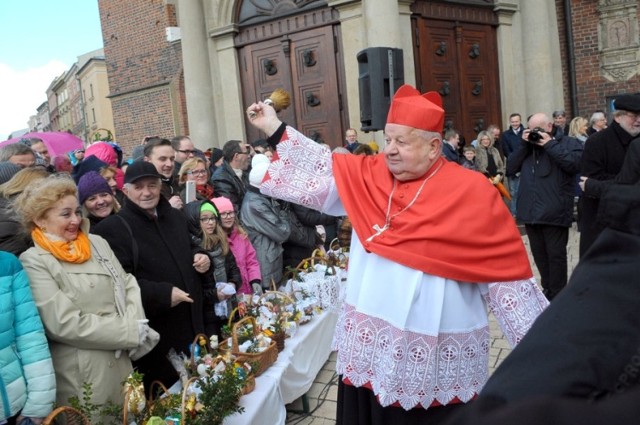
{"x": 91, "y": 89}
{"x": 93, "y": 114}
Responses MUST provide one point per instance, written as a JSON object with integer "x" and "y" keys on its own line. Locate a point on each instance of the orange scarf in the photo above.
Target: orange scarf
{"x": 77, "y": 251}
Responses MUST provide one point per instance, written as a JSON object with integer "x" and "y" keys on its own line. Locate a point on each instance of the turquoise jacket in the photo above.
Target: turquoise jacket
{"x": 27, "y": 378}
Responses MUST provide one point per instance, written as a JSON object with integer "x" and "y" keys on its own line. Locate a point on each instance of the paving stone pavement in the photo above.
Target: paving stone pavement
{"x": 323, "y": 394}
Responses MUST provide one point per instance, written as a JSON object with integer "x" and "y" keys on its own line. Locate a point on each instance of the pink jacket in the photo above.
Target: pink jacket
{"x": 246, "y": 259}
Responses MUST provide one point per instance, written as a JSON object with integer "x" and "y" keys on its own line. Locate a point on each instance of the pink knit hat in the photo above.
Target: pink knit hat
{"x": 222, "y": 204}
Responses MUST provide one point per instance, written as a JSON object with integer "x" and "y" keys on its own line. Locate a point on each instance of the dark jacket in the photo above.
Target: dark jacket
{"x": 547, "y": 180}
{"x": 629, "y": 173}
{"x": 164, "y": 260}
{"x": 603, "y": 156}
{"x": 226, "y": 183}
{"x": 449, "y": 152}
{"x": 13, "y": 237}
{"x": 170, "y": 187}
{"x": 511, "y": 140}
{"x": 304, "y": 238}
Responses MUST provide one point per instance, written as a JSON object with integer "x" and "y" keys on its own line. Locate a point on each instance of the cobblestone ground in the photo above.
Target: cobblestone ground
{"x": 323, "y": 394}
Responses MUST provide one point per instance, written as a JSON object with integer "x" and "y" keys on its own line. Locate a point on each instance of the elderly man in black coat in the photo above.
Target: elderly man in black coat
{"x": 151, "y": 240}
{"x": 604, "y": 154}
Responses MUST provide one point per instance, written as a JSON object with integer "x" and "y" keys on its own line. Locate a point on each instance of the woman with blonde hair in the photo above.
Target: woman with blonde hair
{"x": 241, "y": 247}
{"x": 578, "y": 128}
{"x": 489, "y": 162}
{"x": 90, "y": 307}
{"x": 12, "y": 236}
{"x": 195, "y": 169}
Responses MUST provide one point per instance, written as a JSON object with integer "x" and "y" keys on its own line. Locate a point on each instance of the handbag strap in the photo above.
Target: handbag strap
{"x": 118, "y": 285}
{"x": 134, "y": 244}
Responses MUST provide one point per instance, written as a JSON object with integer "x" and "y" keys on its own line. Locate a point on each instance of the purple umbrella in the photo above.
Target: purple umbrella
{"x": 58, "y": 142}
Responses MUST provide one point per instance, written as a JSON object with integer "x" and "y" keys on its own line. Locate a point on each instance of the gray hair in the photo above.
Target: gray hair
{"x": 595, "y": 117}
{"x": 8, "y": 151}
{"x": 427, "y": 135}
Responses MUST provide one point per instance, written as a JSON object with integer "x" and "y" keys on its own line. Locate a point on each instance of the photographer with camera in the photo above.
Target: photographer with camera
{"x": 547, "y": 168}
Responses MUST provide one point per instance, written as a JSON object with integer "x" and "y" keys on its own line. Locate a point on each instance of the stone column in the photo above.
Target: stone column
{"x": 542, "y": 65}
{"x": 510, "y": 58}
{"x": 197, "y": 73}
{"x": 227, "y": 89}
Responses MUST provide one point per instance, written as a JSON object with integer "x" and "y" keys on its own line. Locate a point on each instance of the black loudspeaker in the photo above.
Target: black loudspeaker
{"x": 380, "y": 74}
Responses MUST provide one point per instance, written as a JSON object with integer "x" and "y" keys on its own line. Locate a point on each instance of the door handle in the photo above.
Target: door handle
{"x": 269, "y": 67}
{"x": 312, "y": 100}
{"x": 307, "y": 58}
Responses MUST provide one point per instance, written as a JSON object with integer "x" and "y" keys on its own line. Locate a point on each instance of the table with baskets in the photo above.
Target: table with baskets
{"x": 305, "y": 352}
{"x": 290, "y": 376}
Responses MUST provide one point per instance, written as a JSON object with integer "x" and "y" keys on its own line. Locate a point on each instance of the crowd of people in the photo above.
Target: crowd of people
{"x": 122, "y": 260}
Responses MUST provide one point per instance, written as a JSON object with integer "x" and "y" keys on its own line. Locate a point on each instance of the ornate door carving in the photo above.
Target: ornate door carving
{"x": 303, "y": 63}
{"x": 459, "y": 60}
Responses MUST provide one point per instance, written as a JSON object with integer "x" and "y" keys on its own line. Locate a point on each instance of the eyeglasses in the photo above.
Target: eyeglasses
{"x": 197, "y": 172}
{"x": 633, "y": 115}
{"x": 211, "y": 219}
{"x": 228, "y": 214}
{"x": 186, "y": 151}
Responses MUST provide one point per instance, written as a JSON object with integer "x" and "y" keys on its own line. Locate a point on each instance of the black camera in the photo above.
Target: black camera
{"x": 535, "y": 135}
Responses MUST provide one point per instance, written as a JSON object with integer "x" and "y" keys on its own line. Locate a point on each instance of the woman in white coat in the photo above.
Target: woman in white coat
{"x": 90, "y": 307}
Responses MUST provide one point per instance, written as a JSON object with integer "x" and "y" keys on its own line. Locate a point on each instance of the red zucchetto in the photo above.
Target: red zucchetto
{"x": 410, "y": 108}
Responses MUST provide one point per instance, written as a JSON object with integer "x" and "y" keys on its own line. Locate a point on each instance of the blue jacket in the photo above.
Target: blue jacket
{"x": 27, "y": 378}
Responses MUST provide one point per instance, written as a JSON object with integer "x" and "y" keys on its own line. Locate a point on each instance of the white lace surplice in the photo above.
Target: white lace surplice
{"x": 414, "y": 338}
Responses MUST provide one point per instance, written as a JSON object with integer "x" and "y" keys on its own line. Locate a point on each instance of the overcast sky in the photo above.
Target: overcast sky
{"x": 39, "y": 40}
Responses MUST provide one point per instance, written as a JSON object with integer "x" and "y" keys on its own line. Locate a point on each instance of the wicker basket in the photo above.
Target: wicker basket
{"x": 261, "y": 360}
{"x": 66, "y": 415}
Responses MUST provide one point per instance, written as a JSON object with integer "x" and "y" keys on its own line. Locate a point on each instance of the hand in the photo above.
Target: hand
{"x": 176, "y": 202}
{"x": 263, "y": 117}
{"x": 583, "y": 182}
{"x": 201, "y": 262}
{"x": 179, "y": 296}
{"x": 546, "y": 138}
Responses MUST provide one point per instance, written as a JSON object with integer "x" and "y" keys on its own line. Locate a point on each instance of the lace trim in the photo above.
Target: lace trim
{"x": 407, "y": 367}
{"x": 303, "y": 172}
{"x": 516, "y": 305}
{"x": 414, "y": 369}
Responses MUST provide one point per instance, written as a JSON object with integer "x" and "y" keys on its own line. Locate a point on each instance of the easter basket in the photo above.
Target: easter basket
{"x": 260, "y": 360}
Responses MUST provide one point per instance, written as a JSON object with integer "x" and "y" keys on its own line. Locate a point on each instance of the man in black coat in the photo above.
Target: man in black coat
{"x": 604, "y": 153}
{"x": 547, "y": 170}
{"x": 232, "y": 178}
{"x": 580, "y": 361}
{"x": 511, "y": 140}
{"x": 151, "y": 240}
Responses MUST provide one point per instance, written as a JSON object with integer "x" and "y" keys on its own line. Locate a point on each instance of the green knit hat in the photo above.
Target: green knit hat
{"x": 207, "y": 206}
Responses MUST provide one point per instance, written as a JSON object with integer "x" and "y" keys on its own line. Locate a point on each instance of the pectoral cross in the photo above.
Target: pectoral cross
{"x": 378, "y": 230}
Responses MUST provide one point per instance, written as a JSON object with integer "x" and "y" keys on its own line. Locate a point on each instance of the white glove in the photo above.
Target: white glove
{"x": 226, "y": 288}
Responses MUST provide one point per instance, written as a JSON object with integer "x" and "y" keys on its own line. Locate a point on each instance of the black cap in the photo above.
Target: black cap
{"x": 140, "y": 169}
{"x": 627, "y": 102}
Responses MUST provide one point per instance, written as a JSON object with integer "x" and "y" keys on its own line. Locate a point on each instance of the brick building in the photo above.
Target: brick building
{"x": 146, "y": 79}
{"x": 487, "y": 57}
{"x": 606, "y": 47}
